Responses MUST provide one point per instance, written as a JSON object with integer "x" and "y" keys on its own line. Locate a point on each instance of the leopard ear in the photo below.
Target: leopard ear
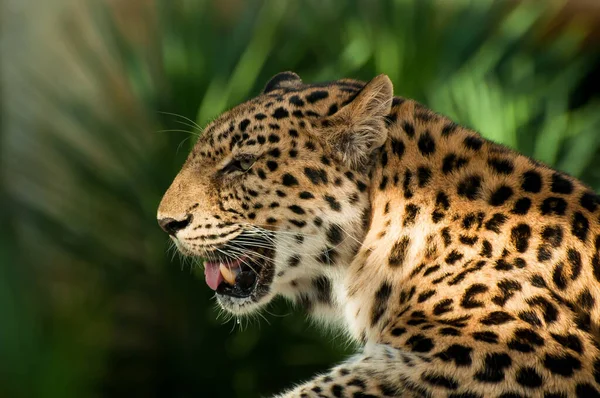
{"x": 359, "y": 127}
{"x": 282, "y": 80}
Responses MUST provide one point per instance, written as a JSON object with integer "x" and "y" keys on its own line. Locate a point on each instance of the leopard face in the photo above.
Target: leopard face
{"x": 274, "y": 194}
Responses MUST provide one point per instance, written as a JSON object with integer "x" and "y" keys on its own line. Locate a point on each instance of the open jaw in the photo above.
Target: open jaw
{"x": 241, "y": 269}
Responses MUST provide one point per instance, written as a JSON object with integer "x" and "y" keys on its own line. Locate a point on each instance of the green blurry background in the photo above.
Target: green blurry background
{"x": 99, "y": 103}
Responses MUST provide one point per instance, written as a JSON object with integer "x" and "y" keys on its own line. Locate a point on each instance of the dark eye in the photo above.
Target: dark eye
{"x": 242, "y": 164}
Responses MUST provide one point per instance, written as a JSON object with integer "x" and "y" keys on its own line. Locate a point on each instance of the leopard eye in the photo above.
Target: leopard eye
{"x": 245, "y": 164}
{"x": 241, "y": 164}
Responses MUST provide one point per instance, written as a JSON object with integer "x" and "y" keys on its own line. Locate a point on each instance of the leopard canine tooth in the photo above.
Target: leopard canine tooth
{"x": 228, "y": 274}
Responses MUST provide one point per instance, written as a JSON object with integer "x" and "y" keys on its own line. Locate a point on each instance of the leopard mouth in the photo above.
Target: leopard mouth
{"x": 241, "y": 268}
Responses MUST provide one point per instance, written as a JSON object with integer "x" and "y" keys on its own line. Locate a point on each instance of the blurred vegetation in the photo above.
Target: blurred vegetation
{"x": 92, "y": 303}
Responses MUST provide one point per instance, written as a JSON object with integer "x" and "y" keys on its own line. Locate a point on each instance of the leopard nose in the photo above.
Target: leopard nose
{"x": 172, "y": 226}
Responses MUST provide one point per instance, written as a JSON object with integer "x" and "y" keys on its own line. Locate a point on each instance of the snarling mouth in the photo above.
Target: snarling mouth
{"x": 241, "y": 268}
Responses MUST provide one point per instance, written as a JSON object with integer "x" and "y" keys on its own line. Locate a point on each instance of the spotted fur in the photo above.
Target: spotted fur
{"x": 462, "y": 267}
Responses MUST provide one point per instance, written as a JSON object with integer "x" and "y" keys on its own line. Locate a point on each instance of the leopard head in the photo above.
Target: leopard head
{"x": 274, "y": 195}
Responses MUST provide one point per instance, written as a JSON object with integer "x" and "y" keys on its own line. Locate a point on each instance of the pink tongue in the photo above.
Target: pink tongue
{"x": 213, "y": 275}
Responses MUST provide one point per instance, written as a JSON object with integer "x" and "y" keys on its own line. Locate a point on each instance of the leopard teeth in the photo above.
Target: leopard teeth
{"x": 229, "y": 275}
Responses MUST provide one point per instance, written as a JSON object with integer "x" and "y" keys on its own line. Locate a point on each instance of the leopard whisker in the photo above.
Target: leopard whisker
{"x": 193, "y": 123}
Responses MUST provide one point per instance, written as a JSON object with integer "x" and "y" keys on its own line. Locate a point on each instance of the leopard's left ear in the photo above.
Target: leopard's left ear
{"x": 282, "y": 80}
{"x": 359, "y": 127}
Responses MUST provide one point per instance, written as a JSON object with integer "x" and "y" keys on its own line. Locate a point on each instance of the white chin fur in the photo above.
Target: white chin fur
{"x": 242, "y": 306}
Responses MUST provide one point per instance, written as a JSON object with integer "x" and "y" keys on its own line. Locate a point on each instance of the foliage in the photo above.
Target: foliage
{"x": 92, "y": 303}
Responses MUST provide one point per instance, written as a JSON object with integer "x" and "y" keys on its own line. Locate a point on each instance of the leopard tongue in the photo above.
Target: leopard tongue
{"x": 213, "y": 276}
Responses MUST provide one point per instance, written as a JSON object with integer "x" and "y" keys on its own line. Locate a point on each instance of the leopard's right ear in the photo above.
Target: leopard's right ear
{"x": 358, "y": 129}
{"x": 282, "y": 80}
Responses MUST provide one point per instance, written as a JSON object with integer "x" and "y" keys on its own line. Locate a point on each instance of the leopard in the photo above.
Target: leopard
{"x": 459, "y": 267}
